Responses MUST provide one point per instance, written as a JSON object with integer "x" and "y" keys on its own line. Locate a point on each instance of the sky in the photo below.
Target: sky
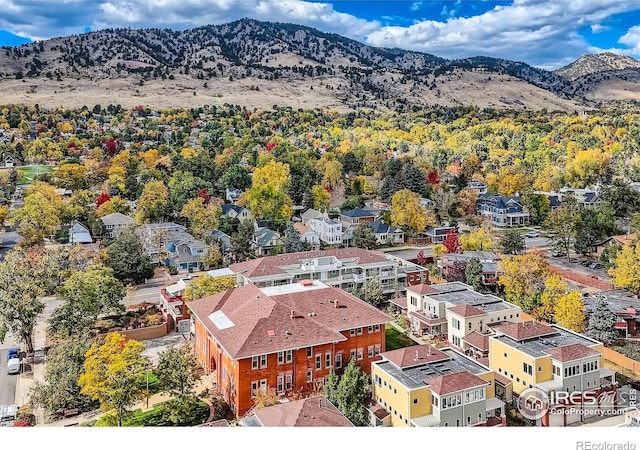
{"x": 543, "y": 33}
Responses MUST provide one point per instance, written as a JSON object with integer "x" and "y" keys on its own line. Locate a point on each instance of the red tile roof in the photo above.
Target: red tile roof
{"x": 415, "y": 355}
{"x": 466, "y": 310}
{"x": 271, "y": 265}
{"x": 422, "y": 289}
{"x": 308, "y": 412}
{"x": 478, "y": 340}
{"x": 400, "y": 301}
{"x": 454, "y": 382}
{"x": 263, "y": 324}
{"x": 571, "y": 352}
{"x": 524, "y": 330}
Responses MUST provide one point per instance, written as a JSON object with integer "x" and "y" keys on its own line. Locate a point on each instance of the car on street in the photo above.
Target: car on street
{"x": 13, "y": 353}
{"x": 532, "y": 234}
{"x": 13, "y": 366}
{"x": 596, "y": 265}
{"x": 557, "y": 254}
{"x": 587, "y": 263}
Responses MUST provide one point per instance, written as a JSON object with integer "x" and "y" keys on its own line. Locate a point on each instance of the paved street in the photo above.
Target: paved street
{"x": 10, "y": 239}
{"x": 7, "y": 382}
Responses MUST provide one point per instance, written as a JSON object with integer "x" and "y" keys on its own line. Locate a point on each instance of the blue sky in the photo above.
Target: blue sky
{"x": 544, "y": 33}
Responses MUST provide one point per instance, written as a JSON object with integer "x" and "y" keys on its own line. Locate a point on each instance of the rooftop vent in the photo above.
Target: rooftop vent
{"x": 336, "y": 304}
{"x": 293, "y": 314}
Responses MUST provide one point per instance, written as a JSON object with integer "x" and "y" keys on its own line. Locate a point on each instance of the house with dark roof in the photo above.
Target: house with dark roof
{"x": 503, "y": 211}
{"x": 425, "y": 386}
{"x": 357, "y": 216}
{"x": 286, "y": 337}
{"x": 265, "y": 241}
{"x": 307, "y": 412}
{"x": 344, "y": 268}
{"x": 587, "y": 198}
{"x": 231, "y": 211}
{"x": 553, "y": 359}
{"x": 232, "y": 194}
{"x": 387, "y": 234}
{"x": 625, "y": 307}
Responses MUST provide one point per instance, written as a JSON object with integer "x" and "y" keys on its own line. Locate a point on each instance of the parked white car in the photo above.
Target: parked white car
{"x": 532, "y": 234}
{"x": 13, "y": 366}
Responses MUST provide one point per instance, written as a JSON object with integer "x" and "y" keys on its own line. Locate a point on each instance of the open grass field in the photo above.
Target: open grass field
{"x": 28, "y": 173}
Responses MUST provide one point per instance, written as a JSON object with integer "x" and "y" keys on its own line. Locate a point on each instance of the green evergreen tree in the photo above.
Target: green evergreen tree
{"x": 241, "y": 241}
{"x": 473, "y": 273}
{"x": 512, "y": 242}
{"x": 127, "y": 258}
{"x": 348, "y": 392}
{"x": 364, "y": 236}
{"x": 600, "y": 324}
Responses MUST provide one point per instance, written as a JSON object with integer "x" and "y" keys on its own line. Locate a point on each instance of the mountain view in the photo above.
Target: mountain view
{"x": 260, "y": 64}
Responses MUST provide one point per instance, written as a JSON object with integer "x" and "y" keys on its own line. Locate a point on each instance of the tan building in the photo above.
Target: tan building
{"x": 423, "y": 386}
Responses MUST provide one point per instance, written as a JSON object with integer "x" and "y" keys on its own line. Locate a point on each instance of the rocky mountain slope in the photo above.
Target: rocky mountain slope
{"x": 596, "y": 63}
{"x": 259, "y": 64}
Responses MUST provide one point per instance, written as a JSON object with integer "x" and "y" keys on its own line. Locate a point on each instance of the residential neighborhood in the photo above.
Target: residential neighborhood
{"x": 262, "y": 289}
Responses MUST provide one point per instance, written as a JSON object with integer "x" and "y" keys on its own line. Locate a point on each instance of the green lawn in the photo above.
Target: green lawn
{"x": 175, "y": 412}
{"x": 396, "y": 340}
{"x": 29, "y": 172}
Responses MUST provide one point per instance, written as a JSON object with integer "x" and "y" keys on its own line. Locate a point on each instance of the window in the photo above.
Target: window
{"x": 318, "y": 361}
{"x": 370, "y": 351}
{"x": 415, "y": 401}
{"x": 352, "y": 332}
{"x": 254, "y": 362}
{"x": 376, "y": 327}
{"x": 289, "y": 378}
{"x": 527, "y": 369}
{"x": 254, "y": 388}
{"x": 353, "y": 353}
{"x": 457, "y": 422}
{"x": 280, "y": 358}
{"x": 376, "y": 349}
{"x": 479, "y": 417}
{"x": 360, "y": 352}
{"x": 455, "y": 323}
{"x": 468, "y": 420}
{"x": 370, "y": 329}
{"x": 309, "y": 352}
{"x": 263, "y": 385}
{"x": 539, "y": 368}
{"x": 327, "y": 360}
{"x": 309, "y": 376}
{"x": 504, "y": 354}
{"x": 289, "y": 356}
{"x": 280, "y": 384}
{"x": 469, "y": 326}
{"x": 263, "y": 361}
{"x": 338, "y": 360}
{"x": 359, "y": 331}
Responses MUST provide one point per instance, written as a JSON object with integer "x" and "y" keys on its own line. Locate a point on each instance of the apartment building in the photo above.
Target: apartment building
{"x": 284, "y": 337}
{"x": 328, "y": 230}
{"x": 423, "y": 386}
{"x": 454, "y": 310}
{"x": 552, "y": 359}
{"x": 341, "y": 268}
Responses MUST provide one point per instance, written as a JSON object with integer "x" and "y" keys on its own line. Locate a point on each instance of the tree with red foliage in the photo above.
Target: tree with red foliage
{"x": 451, "y": 242}
{"x": 103, "y": 197}
{"x": 204, "y": 194}
{"x": 432, "y": 178}
{"x": 21, "y": 423}
{"x": 111, "y": 145}
{"x": 271, "y": 146}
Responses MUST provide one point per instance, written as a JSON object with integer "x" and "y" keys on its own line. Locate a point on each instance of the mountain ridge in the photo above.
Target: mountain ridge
{"x": 270, "y": 58}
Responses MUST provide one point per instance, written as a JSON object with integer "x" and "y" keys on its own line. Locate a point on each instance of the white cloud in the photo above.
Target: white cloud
{"x": 540, "y": 32}
{"x": 597, "y": 28}
{"x": 416, "y": 6}
{"x": 632, "y": 38}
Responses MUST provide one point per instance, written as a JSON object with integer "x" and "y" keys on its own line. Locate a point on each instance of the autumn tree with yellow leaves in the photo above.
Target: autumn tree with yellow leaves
{"x": 408, "y": 212}
{"x": 625, "y": 272}
{"x": 569, "y": 312}
{"x": 523, "y": 278}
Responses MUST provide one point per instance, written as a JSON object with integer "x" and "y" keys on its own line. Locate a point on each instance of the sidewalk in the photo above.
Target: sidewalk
{"x": 33, "y": 370}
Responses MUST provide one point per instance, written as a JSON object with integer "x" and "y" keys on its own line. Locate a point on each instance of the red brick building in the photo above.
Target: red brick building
{"x": 283, "y": 337}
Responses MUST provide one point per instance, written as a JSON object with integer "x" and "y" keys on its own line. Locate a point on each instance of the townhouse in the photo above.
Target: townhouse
{"x": 551, "y": 359}
{"x": 423, "y": 386}
{"x": 286, "y": 337}
{"x": 454, "y": 310}
{"x": 342, "y": 268}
